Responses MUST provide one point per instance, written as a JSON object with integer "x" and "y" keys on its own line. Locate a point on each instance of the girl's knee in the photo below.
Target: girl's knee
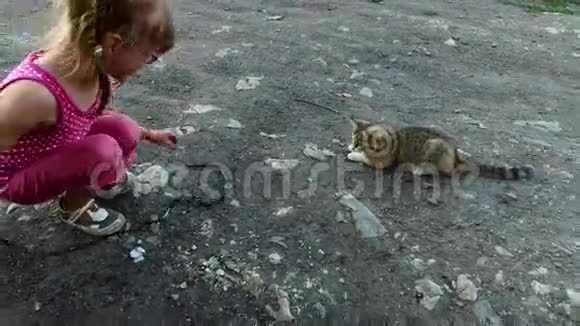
{"x": 128, "y": 128}
{"x": 121, "y": 127}
{"x": 102, "y": 148}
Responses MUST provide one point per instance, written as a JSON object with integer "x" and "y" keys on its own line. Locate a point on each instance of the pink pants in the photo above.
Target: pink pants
{"x": 93, "y": 163}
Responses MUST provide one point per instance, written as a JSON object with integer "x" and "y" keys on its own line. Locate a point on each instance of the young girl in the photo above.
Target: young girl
{"x": 59, "y": 139}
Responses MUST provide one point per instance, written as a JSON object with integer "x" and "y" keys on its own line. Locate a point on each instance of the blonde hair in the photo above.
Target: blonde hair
{"x": 82, "y": 24}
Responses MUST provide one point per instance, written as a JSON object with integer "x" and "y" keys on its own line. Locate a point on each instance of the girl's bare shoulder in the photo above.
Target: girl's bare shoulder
{"x": 27, "y": 103}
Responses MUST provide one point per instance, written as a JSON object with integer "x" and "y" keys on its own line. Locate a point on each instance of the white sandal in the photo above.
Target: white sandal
{"x": 91, "y": 218}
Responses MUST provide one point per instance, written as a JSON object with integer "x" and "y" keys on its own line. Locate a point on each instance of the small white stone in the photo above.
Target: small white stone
{"x": 249, "y": 83}
{"x": 281, "y": 164}
{"x": 418, "y": 263}
{"x": 466, "y": 290}
{"x": 481, "y": 261}
{"x": 431, "y": 293}
{"x": 574, "y": 297}
{"x": 222, "y": 29}
{"x": 499, "y": 278}
{"x": 234, "y": 124}
{"x": 503, "y": 252}
{"x": 539, "y": 271}
{"x": 365, "y": 91}
{"x": 275, "y": 258}
{"x": 284, "y": 211}
{"x": 357, "y": 74}
{"x": 224, "y": 52}
{"x": 542, "y": 289}
{"x": 450, "y": 42}
{"x": 201, "y": 108}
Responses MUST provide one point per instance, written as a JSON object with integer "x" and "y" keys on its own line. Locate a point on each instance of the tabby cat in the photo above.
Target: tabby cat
{"x": 382, "y": 147}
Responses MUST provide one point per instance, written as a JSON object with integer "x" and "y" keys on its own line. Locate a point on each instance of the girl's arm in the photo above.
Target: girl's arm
{"x": 24, "y": 106}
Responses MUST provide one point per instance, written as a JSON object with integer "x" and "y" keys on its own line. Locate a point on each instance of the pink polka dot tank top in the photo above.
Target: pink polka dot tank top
{"x": 72, "y": 123}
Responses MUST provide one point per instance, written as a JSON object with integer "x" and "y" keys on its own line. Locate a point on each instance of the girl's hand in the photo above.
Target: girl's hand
{"x": 160, "y": 137}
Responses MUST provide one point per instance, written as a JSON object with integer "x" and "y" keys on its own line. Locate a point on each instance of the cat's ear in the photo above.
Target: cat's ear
{"x": 359, "y": 123}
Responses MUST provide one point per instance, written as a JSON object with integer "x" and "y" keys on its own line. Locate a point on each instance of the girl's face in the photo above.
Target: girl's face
{"x": 123, "y": 58}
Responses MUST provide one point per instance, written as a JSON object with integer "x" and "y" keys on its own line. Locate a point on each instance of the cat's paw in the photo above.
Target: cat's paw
{"x": 350, "y": 147}
{"x": 357, "y": 157}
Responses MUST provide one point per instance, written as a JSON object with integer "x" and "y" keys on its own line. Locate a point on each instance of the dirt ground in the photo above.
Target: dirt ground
{"x": 249, "y": 90}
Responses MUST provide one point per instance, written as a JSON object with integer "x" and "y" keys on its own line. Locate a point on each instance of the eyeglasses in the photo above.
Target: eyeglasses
{"x": 152, "y": 56}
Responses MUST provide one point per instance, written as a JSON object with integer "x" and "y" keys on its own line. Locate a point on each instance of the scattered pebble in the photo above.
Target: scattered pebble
{"x": 503, "y": 252}
{"x": 340, "y": 218}
{"x": 499, "y": 278}
{"x": 482, "y": 261}
{"x": 312, "y": 150}
{"x": 365, "y": 221}
{"x": 37, "y": 306}
{"x": 539, "y": 271}
{"x": 271, "y": 18}
{"x": 365, "y": 91}
{"x": 466, "y": 290}
{"x": 280, "y": 164}
{"x": 542, "y": 289}
{"x": 225, "y": 52}
{"x": 175, "y": 297}
{"x": 235, "y": 203}
{"x": 553, "y": 126}
{"x": 430, "y": 291}
{"x": 343, "y": 29}
{"x": 201, "y": 108}
{"x": 24, "y": 218}
{"x": 222, "y": 29}
{"x": 272, "y": 136}
{"x": 250, "y": 82}
{"x": 353, "y": 61}
{"x": 151, "y": 180}
{"x": 274, "y": 258}
{"x": 450, "y": 42}
{"x": 320, "y": 61}
{"x": 183, "y": 130}
{"x": 344, "y": 95}
{"x": 234, "y": 124}
{"x": 418, "y": 264}
{"x": 357, "y": 75}
{"x": 284, "y": 211}
{"x": 137, "y": 254}
{"x": 485, "y": 314}
{"x": 207, "y": 228}
{"x": 283, "y": 313}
